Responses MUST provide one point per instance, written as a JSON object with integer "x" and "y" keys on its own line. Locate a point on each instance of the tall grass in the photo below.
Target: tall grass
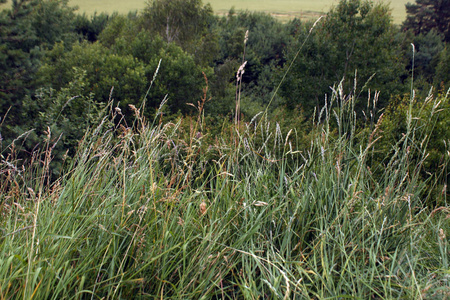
{"x": 164, "y": 210}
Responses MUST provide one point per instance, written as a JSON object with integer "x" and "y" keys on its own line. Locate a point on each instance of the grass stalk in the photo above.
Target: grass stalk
{"x": 157, "y": 211}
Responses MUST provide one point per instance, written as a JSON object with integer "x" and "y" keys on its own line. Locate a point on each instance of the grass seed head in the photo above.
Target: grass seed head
{"x": 203, "y": 208}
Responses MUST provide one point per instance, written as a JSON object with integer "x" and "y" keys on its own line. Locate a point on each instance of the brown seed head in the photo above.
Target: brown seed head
{"x": 203, "y": 208}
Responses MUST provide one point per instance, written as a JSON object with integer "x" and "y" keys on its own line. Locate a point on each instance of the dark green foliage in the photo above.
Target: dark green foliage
{"x": 186, "y": 23}
{"x": 223, "y": 89}
{"x": 442, "y": 78}
{"x": 46, "y": 15}
{"x": 426, "y": 15}
{"x": 267, "y": 40}
{"x": 431, "y": 114}
{"x": 311, "y": 75}
{"x": 429, "y": 21}
{"x": 105, "y": 72}
{"x": 180, "y": 76}
{"x": 128, "y": 67}
{"x": 19, "y": 54}
{"x": 31, "y": 23}
{"x": 58, "y": 118}
{"x": 427, "y": 49}
{"x": 27, "y": 29}
{"x": 64, "y": 116}
{"x": 356, "y": 43}
{"x": 119, "y": 27}
{"x": 90, "y": 27}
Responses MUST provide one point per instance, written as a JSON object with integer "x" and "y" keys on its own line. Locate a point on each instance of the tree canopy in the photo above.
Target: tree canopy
{"x": 426, "y": 15}
{"x": 349, "y": 45}
{"x": 184, "y": 22}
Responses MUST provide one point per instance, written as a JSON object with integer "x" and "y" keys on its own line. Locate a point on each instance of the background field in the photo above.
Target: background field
{"x": 282, "y": 9}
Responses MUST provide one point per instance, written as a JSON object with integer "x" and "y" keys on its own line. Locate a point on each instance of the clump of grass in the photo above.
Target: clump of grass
{"x": 149, "y": 211}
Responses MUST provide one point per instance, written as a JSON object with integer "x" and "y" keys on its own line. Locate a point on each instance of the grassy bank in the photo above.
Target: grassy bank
{"x": 168, "y": 210}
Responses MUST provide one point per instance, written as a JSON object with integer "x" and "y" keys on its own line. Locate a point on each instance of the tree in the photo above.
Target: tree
{"x": 26, "y": 30}
{"x": 90, "y": 28}
{"x": 425, "y": 15}
{"x": 53, "y": 21}
{"x": 442, "y": 77}
{"x": 266, "y": 41}
{"x": 103, "y": 71}
{"x": 426, "y": 57}
{"x": 67, "y": 113}
{"x": 177, "y": 20}
{"x": 128, "y": 66}
{"x": 119, "y": 27}
{"x": 351, "y": 40}
{"x": 186, "y": 23}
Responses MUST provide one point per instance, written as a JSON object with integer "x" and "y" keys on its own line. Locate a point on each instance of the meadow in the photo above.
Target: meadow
{"x": 282, "y": 9}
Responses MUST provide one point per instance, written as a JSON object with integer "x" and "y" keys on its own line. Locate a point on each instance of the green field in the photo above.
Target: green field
{"x": 283, "y": 9}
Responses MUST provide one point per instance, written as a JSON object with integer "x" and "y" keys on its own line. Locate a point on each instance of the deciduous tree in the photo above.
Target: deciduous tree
{"x": 356, "y": 38}
{"x": 186, "y": 23}
{"x": 26, "y": 30}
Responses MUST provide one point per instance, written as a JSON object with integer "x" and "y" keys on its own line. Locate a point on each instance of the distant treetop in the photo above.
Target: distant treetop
{"x": 425, "y": 15}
